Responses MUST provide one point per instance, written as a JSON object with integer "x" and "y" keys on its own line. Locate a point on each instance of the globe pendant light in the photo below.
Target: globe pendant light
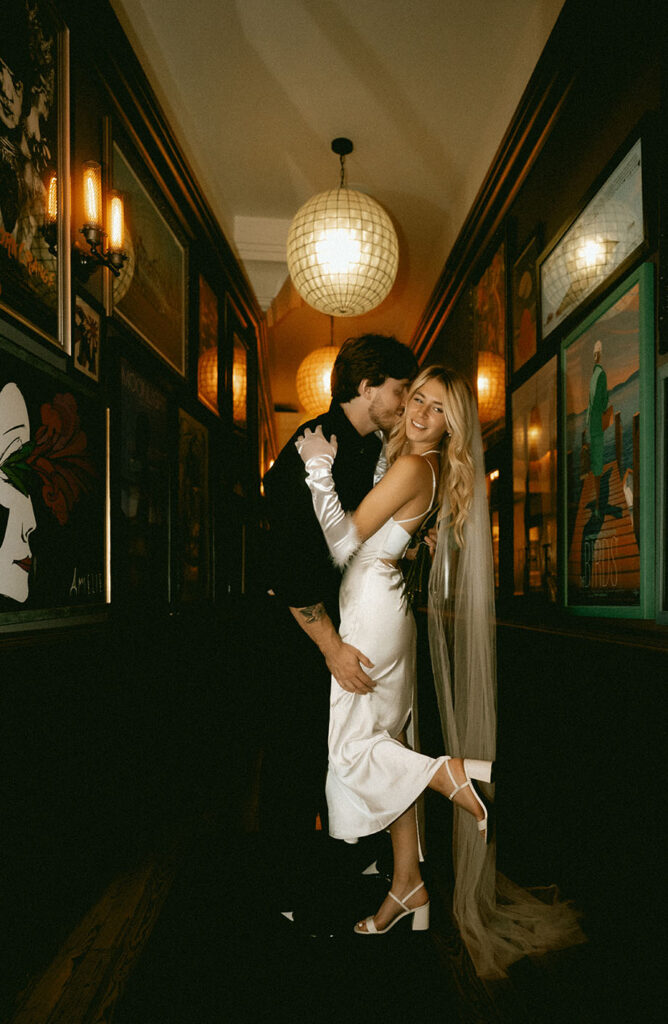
{"x": 314, "y": 377}
{"x": 314, "y": 380}
{"x": 342, "y": 249}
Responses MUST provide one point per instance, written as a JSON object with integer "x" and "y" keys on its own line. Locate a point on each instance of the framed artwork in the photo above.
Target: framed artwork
{"x": 207, "y": 359}
{"x": 524, "y": 305}
{"x": 534, "y": 409}
{"x": 606, "y": 234}
{"x": 489, "y": 341}
{"x": 53, "y": 494}
{"x": 608, "y": 423}
{"x": 141, "y": 562}
{"x": 662, "y": 495}
{"x": 150, "y": 292}
{"x": 193, "y": 544}
{"x": 34, "y": 165}
{"x": 86, "y": 337}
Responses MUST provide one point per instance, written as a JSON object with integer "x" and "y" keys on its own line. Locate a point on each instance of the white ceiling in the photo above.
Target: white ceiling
{"x": 255, "y": 91}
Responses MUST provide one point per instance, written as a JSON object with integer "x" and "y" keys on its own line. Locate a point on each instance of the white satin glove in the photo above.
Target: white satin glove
{"x": 338, "y": 528}
{"x": 381, "y": 465}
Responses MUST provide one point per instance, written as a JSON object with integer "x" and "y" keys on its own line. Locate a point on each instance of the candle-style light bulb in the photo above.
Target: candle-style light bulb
{"x": 52, "y": 201}
{"x": 116, "y": 222}
{"x": 92, "y": 193}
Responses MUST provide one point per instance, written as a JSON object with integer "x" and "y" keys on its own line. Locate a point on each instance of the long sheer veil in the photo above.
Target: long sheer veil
{"x": 498, "y": 920}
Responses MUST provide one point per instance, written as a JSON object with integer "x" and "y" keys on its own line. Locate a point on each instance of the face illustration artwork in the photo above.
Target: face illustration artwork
{"x": 17, "y": 518}
{"x": 11, "y": 96}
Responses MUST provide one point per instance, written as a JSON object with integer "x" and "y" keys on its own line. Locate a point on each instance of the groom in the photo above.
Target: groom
{"x": 369, "y": 384}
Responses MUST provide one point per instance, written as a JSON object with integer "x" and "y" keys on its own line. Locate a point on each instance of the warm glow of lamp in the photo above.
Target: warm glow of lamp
{"x": 314, "y": 378}
{"x": 342, "y": 249}
{"x": 116, "y": 225}
{"x": 239, "y": 387}
{"x": 534, "y": 434}
{"x": 207, "y": 378}
{"x": 92, "y": 193}
{"x": 597, "y": 243}
{"x": 491, "y": 387}
{"x": 52, "y": 200}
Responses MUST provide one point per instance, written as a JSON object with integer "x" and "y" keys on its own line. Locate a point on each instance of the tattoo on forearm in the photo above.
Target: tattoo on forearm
{"x": 312, "y": 612}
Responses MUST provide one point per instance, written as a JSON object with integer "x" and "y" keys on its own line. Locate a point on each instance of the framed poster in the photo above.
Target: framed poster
{"x": 662, "y": 494}
{"x": 605, "y": 235}
{"x": 53, "y": 493}
{"x": 34, "y": 167}
{"x": 193, "y": 544}
{"x": 489, "y": 341}
{"x": 150, "y": 292}
{"x": 534, "y": 407}
{"x": 141, "y": 560}
{"x": 86, "y": 337}
{"x": 608, "y": 423}
{"x": 524, "y": 305}
{"x": 207, "y": 359}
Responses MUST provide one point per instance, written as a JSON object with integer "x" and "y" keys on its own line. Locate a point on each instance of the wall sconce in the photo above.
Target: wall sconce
{"x": 84, "y": 263}
{"x": 50, "y": 231}
{"x": 113, "y": 257}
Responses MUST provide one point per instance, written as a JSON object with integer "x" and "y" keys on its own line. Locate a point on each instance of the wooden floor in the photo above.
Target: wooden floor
{"x": 194, "y": 936}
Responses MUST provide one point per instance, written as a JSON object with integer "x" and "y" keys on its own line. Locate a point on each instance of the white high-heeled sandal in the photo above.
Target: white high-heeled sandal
{"x": 482, "y": 771}
{"x": 420, "y": 922}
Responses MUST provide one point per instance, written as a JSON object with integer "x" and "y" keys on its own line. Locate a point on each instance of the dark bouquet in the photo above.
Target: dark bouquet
{"x": 417, "y": 563}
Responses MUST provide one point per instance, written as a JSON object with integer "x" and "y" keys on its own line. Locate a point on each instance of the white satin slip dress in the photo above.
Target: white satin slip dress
{"x": 372, "y": 778}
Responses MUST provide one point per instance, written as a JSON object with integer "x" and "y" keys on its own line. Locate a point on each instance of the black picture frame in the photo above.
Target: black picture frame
{"x": 150, "y": 295}
{"x": 193, "y": 564}
{"x": 54, "y": 487}
{"x": 88, "y": 329}
{"x": 524, "y": 305}
{"x": 142, "y": 515}
{"x": 35, "y": 272}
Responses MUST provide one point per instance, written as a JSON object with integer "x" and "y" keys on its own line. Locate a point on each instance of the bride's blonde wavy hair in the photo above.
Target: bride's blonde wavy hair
{"x": 455, "y": 487}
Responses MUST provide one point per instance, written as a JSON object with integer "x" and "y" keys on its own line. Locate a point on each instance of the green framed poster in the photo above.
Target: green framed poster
{"x": 608, "y": 443}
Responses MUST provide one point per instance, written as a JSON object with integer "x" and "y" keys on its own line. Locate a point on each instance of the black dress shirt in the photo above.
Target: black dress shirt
{"x": 301, "y": 572}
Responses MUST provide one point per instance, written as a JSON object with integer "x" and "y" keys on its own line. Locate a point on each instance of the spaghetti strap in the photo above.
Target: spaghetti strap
{"x": 411, "y": 519}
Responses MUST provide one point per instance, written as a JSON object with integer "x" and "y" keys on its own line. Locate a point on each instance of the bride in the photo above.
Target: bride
{"x": 374, "y": 778}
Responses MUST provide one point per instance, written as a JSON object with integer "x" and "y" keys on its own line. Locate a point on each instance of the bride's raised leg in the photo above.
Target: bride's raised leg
{"x": 454, "y": 780}
{"x": 408, "y": 894}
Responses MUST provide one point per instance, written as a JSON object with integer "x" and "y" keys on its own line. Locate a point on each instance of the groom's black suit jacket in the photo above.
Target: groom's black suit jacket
{"x": 300, "y": 572}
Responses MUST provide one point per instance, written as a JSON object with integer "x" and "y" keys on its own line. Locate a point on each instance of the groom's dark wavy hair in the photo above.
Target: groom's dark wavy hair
{"x": 372, "y": 357}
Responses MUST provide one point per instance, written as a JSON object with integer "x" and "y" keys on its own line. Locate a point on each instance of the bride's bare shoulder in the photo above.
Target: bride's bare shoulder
{"x": 411, "y": 465}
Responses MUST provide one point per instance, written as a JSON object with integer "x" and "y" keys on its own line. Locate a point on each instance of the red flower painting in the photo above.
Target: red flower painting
{"x": 60, "y": 456}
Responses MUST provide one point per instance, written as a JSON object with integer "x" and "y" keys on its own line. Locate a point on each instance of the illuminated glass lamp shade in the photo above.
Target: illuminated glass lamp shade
{"x": 239, "y": 386}
{"x": 342, "y": 252}
{"x": 207, "y": 378}
{"x": 314, "y": 378}
{"x": 491, "y": 387}
{"x": 595, "y": 245}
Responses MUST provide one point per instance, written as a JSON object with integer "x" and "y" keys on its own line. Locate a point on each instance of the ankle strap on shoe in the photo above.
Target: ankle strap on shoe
{"x": 402, "y": 903}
